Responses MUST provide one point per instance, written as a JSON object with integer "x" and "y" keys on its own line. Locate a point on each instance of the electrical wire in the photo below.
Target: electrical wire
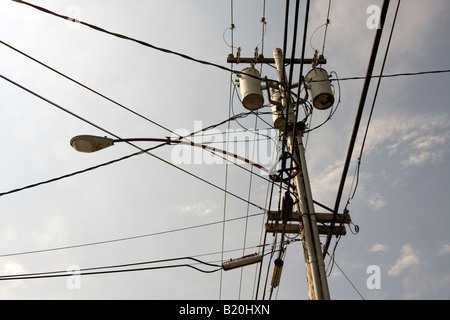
{"x": 364, "y": 92}
{"x": 355, "y": 181}
{"x": 126, "y": 108}
{"x": 129, "y": 238}
{"x": 146, "y": 44}
{"x": 147, "y": 151}
{"x": 346, "y": 277}
{"x": 94, "y": 270}
{"x": 395, "y": 75}
{"x": 85, "y": 86}
{"x": 326, "y": 27}
{"x": 230, "y": 101}
{"x": 373, "y": 105}
{"x": 247, "y": 212}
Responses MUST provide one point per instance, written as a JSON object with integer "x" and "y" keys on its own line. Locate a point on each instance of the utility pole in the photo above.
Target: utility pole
{"x": 305, "y": 220}
{"x": 315, "y": 267}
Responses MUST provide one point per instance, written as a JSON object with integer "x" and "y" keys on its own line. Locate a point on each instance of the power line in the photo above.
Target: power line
{"x": 147, "y": 151}
{"x": 346, "y": 277}
{"x": 84, "y": 86}
{"x": 395, "y": 75}
{"x": 327, "y": 23}
{"x": 146, "y": 44}
{"x": 364, "y": 92}
{"x": 91, "y": 271}
{"x": 374, "y": 100}
{"x": 132, "y": 111}
{"x": 129, "y": 238}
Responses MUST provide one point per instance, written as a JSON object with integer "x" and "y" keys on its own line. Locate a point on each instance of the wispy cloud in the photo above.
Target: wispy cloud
{"x": 7, "y": 291}
{"x": 378, "y": 247}
{"x": 420, "y": 139}
{"x": 407, "y": 259}
{"x": 196, "y": 208}
{"x": 445, "y": 249}
{"x": 376, "y": 201}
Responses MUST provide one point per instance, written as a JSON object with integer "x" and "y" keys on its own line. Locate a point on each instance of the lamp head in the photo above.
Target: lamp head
{"x": 88, "y": 143}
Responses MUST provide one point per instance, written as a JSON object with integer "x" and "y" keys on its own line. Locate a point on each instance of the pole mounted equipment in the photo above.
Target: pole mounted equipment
{"x": 317, "y": 81}
{"x": 241, "y": 262}
{"x": 251, "y": 91}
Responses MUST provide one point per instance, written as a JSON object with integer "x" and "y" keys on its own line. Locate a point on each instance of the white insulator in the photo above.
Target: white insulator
{"x": 320, "y": 87}
{"x": 251, "y": 92}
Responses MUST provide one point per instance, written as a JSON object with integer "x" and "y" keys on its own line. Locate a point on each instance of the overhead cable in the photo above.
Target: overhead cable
{"x": 146, "y": 44}
{"x": 147, "y": 151}
{"x": 395, "y": 75}
{"x": 132, "y": 111}
{"x": 129, "y": 238}
{"x": 364, "y": 92}
{"x": 99, "y": 270}
{"x": 373, "y": 102}
{"x": 327, "y": 23}
{"x": 84, "y": 86}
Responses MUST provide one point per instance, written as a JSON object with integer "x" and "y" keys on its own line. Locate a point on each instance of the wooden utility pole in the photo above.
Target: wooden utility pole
{"x": 304, "y": 221}
{"x": 315, "y": 267}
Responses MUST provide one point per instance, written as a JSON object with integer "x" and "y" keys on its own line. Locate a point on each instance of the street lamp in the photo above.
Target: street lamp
{"x": 89, "y": 143}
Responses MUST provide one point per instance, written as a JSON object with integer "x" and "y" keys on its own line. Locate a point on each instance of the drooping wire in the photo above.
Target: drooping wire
{"x": 418, "y": 73}
{"x": 326, "y": 24}
{"x": 230, "y": 107}
{"x": 147, "y": 151}
{"x": 358, "y": 166}
{"x": 346, "y": 277}
{"x": 129, "y": 238}
{"x": 264, "y": 29}
{"x": 85, "y": 86}
{"x": 100, "y": 270}
{"x": 146, "y": 44}
{"x": 326, "y": 28}
{"x": 123, "y": 106}
{"x": 247, "y": 213}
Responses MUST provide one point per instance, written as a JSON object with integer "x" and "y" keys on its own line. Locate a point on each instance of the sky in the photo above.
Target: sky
{"x": 171, "y": 204}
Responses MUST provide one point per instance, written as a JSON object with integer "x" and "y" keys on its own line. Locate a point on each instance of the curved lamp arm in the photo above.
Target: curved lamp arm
{"x": 89, "y": 143}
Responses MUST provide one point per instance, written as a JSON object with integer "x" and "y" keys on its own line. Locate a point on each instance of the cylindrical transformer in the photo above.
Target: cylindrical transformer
{"x": 276, "y": 276}
{"x": 251, "y": 92}
{"x": 320, "y": 87}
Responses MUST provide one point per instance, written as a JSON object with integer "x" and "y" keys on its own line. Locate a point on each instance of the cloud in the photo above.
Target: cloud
{"x": 378, "y": 247}
{"x": 407, "y": 259}
{"x": 445, "y": 249}
{"x": 197, "y": 208}
{"x": 376, "y": 201}
{"x": 425, "y": 283}
{"x": 422, "y": 158}
{"x": 420, "y": 139}
{"x": 11, "y": 268}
